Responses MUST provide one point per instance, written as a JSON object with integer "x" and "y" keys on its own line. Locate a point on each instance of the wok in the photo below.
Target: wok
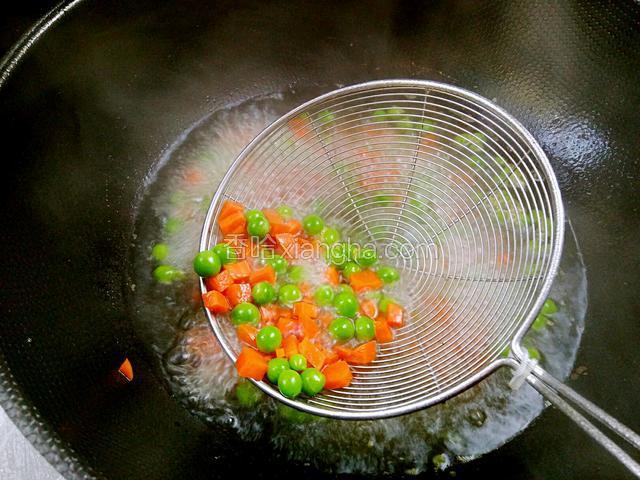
{"x": 94, "y": 95}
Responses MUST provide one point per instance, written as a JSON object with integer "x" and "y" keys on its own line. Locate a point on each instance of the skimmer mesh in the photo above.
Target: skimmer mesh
{"x": 451, "y": 190}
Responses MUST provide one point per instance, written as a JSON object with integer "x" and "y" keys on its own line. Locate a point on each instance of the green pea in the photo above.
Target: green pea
{"x": 384, "y": 302}
{"x": 344, "y": 288}
{"x": 253, "y": 215}
{"x": 326, "y": 116}
{"x": 178, "y": 197}
{"x": 225, "y": 252}
{"x": 285, "y": 211}
{"x": 312, "y": 381}
{"x": 346, "y": 304}
{"x": 540, "y": 322}
{"x": 367, "y": 257}
{"x": 330, "y": 235}
{"x": 340, "y": 254}
{"x": 289, "y": 294}
{"x": 263, "y": 292}
{"x": 549, "y": 307}
{"x": 207, "y": 263}
{"x": 352, "y": 252}
{"x": 167, "y": 274}
{"x": 298, "y": 362}
{"x": 474, "y": 141}
{"x": 350, "y": 268}
{"x": 278, "y": 263}
{"x": 440, "y": 461}
{"x": 427, "y": 126}
{"x": 290, "y": 383}
{"x": 172, "y": 225}
{"x": 336, "y": 255}
{"x": 275, "y": 367}
{"x": 268, "y": 339}
{"x": 258, "y": 227}
{"x": 312, "y": 224}
{"x": 342, "y": 329}
{"x": 324, "y": 295}
{"x": 247, "y": 393}
{"x": 365, "y": 329}
{"x": 388, "y": 274}
{"x": 245, "y": 312}
{"x": 160, "y": 251}
{"x": 380, "y": 114}
{"x": 296, "y": 274}
{"x": 293, "y": 415}
{"x": 534, "y": 353}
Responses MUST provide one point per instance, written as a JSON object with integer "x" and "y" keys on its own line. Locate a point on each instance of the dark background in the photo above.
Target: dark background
{"x": 17, "y": 17}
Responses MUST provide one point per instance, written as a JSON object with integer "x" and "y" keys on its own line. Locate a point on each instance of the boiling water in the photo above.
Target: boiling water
{"x": 170, "y": 321}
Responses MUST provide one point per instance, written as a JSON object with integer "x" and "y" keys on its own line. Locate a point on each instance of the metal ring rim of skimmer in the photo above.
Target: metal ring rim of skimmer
{"x": 515, "y": 343}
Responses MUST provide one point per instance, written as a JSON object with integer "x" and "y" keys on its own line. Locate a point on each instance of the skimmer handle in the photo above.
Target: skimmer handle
{"x": 579, "y": 409}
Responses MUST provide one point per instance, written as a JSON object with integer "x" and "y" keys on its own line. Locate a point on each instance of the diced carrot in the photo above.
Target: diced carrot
{"x": 309, "y": 327}
{"x": 193, "y": 176}
{"x": 290, "y": 345}
{"x": 314, "y": 354}
{"x": 251, "y": 248}
{"x": 333, "y": 276}
{"x": 307, "y": 292}
{"x": 287, "y": 326}
{"x": 280, "y": 353}
{"x": 251, "y": 364}
{"x": 307, "y": 313}
{"x": 305, "y": 310}
{"x": 299, "y": 126}
{"x": 288, "y": 244}
{"x": 273, "y": 217}
{"x": 235, "y": 240}
{"x": 247, "y": 334}
{"x": 268, "y": 356}
{"x": 234, "y": 223}
{"x": 216, "y": 302}
{"x": 285, "y": 312}
{"x": 292, "y": 227}
{"x": 126, "y": 369}
{"x": 307, "y": 247}
{"x": 264, "y": 274}
{"x": 395, "y": 315}
{"x": 331, "y": 357}
{"x": 325, "y": 318}
{"x": 238, "y": 242}
{"x": 220, "y": 282}
{"x": 365, "y": 280}
{"x": 239, "y": 271}
{"x": 342, "y": 352}
{"x": 383, "y": 331}
{"x": 361, "y": 355}
{"x": 337, "y": 375}
{"x": 238, "y": 293}
{"x": 269, "y": 314}
{"x": 229, "y": 207}
{"x": 369, "y": 308}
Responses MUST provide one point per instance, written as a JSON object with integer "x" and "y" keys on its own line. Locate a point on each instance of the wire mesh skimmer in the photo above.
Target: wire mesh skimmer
{"x": 453, "y": 191}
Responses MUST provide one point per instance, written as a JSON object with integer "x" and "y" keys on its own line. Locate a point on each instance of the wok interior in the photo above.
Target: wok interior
{"x": 97, "y": 100}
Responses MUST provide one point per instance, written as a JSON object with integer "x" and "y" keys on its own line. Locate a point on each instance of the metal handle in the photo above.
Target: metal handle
{"x": 566, "y": 400}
